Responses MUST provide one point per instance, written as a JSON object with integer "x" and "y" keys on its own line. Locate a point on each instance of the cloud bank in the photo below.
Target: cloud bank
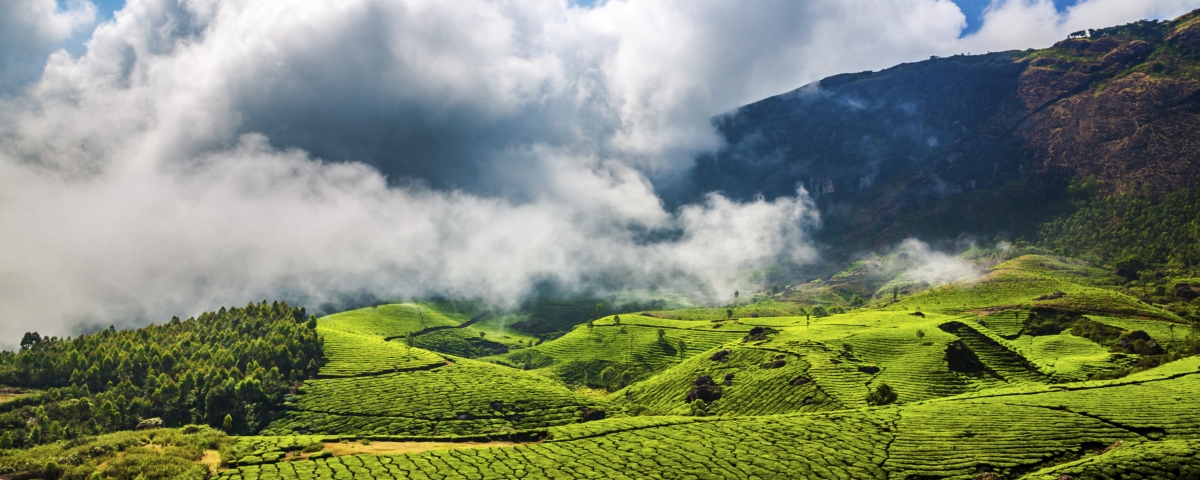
{"x": 214, "y": 152}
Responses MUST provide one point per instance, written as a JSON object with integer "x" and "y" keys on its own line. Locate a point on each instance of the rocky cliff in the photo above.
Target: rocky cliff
{"x": 983, "y": 145}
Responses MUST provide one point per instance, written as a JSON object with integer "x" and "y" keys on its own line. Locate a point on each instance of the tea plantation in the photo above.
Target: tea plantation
{"x": 974, "y": 383}
{"x": 1043, "y": 368}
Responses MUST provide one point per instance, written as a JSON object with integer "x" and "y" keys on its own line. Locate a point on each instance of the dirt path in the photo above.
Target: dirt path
{"x": 212, "y": 460}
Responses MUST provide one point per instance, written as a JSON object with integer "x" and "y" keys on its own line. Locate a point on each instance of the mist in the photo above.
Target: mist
{"x": 933, "y": 267}
{"x": 217, "y": 152}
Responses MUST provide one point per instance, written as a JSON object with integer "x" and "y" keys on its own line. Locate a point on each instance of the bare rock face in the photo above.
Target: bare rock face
{"x": 1137, "y": 129}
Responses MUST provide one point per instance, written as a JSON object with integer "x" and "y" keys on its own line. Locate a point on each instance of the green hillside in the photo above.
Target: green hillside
{"x": 1040, "y": 367}
{"x": 372, "y": 386}
{"x": 986, "y": 378}
{"x": 1031, "y": 432}
{"x": 1063, "y": 346}
{"x": 228, "y": 369}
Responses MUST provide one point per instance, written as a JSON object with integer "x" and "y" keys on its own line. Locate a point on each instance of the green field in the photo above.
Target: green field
{"x": 982, "y": 378}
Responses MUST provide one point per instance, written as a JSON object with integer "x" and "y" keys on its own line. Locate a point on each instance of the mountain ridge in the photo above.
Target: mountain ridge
{"x": 923, "y": 148}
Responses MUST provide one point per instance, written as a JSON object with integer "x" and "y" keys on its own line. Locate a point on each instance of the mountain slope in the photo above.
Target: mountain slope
{"x": 985, "y": 144}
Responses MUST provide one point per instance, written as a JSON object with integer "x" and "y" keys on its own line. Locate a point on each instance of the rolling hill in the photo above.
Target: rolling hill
{"x": 1076, "y": 356}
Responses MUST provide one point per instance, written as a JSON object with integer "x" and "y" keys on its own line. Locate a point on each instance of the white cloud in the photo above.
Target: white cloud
{"x": 30, "y": 30}
{"x": 1021, "y": 24}
{"x": 206, "y": 152}
{"x": 934, "y": 267}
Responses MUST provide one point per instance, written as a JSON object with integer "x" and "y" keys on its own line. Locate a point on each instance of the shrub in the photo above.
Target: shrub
{"x": 882, "y": 395}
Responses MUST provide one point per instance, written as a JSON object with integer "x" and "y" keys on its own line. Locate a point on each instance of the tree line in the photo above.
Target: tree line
{"x": 1131, "y": 232}
{"x": 229, "y": 369}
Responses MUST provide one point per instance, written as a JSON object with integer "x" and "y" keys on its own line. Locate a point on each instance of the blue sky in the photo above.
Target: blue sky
{"x": 972, "y": 8}
{"x": 974, "y": 11}
{"x": 107, "y": 7}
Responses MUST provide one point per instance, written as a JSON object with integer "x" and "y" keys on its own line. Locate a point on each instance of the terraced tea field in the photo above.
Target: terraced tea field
{"x": 1025, "y": 282}
{"x": 1011, "y": 433}
{"x": 350, "y": 354}
{"x": 972, "y": 388}
{"x": 393, "y": 321}
{"x": 371, "y": 386}
{"x": 635, "y": 341}
{"x": 459, "y": 398}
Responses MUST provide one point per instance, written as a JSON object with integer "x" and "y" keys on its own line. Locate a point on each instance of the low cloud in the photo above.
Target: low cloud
{"x": 934, "y": 267}
{"x": 252, "y": 222}
{"x": 207, "y": 153}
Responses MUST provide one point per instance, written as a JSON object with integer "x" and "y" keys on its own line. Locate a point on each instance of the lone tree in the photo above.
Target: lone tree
{"x": 920, "y": 334}
{"x": 662, "y": 335}
{"x": 728, "y": 313}
{"x": 895, "y": 293}
{"x": 883, "y": 395}
{"x": 682, "y": 347}
{"x": 408, "y": 342}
